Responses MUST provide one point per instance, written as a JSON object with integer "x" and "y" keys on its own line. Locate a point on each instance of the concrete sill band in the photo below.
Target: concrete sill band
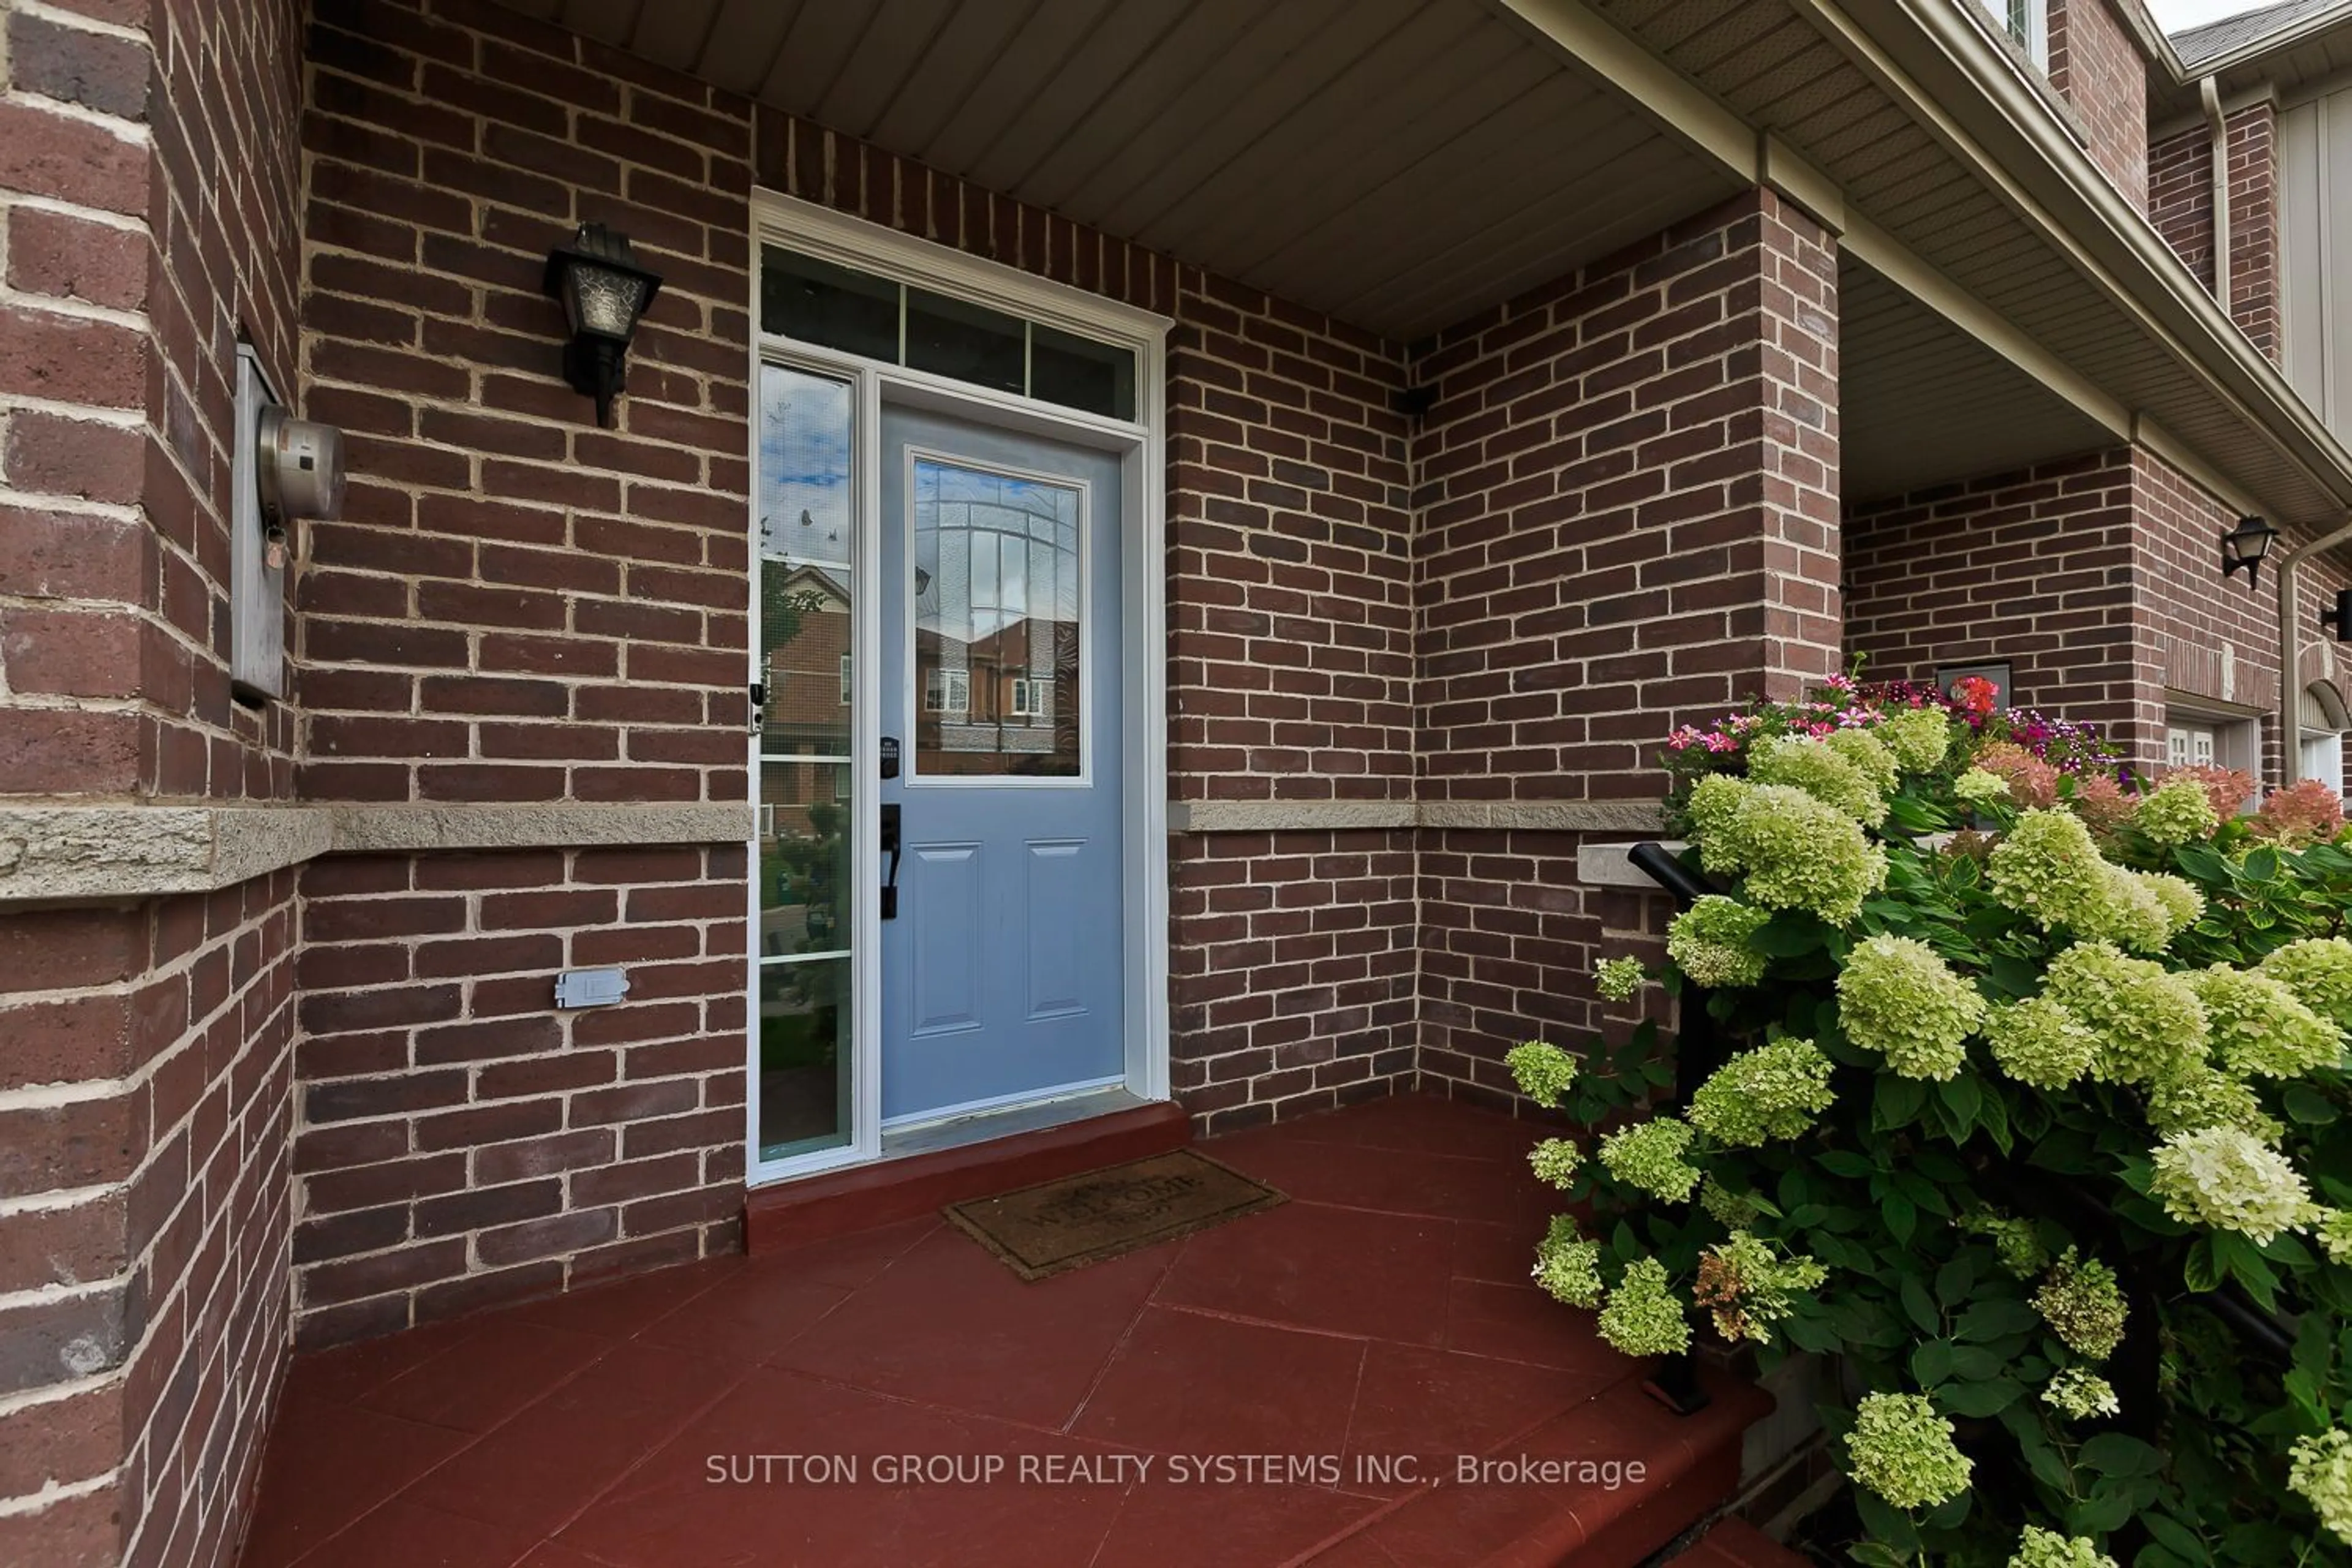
{"x": 104, "y": 854}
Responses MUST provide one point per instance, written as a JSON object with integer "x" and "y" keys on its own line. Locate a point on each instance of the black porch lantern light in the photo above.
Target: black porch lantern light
{"x": 2245, "y": 546}
{"x": 604, "y": 292}
{"x": 2339, "y": 616}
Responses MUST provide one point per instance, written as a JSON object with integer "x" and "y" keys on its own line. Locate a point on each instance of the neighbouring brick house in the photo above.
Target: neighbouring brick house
{"x": 1402, "y": 415}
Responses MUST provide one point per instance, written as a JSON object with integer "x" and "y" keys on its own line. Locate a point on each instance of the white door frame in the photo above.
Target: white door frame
{"x": 1140, "y": 443}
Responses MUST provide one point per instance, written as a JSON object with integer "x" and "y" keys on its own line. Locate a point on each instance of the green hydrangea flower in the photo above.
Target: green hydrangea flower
{"x": 1709, "y": 942}
{"x": 2148, "y": 1024}
{"x": 1745, "y": 1284}
{"x": 1920, "y": 737}
{"x": 2332, "y": 1229}
{"x": 1568, "y": 1266}
{"x": 2176, "y": 812}
{"x": 1868, "y": 752}
{"x": 1811, "y": 765}
{"x": 2126, "y": 911}
{"x": 1555, "y": 1160}
{"x": 2320, "y": 1472}
{"x": 1619, "y": 979}
{"x": 1979, "y": 788}
{"x": 1896, "y": 996}
{"x": 1715, "y": 801}
{"x": 1644, "y": 1316}
{"x": 2199, "y": 1096}
{"x": 1733, "y": 1211}
{"x": 1773, "y": 1091}
{"x": 2083, "y": 1305}
{"x": 2048, "y": 869}
{"x": 2226, "y": 1179}
{"x": 1543, "y": 1071}
{"x": 2260, "y": 1027}
{"x": 2319, "y": 971}
{"x": 1901, "y": 1450}
{"x": 2079, "y": 1392}
{"x": 2183, "y": 904}
{"x": 2039, "y": 1548}
{"x": 1649, "y": 1155}
{"x": 2038, "y": 1042}
{"x": 1798, "y": 853}
{"x": 2015, "y": 1241}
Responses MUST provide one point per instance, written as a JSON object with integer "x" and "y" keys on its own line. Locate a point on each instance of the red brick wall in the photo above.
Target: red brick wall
{"x": 143, "y": 1250}
{"x": 461, "y": 1143}
{"x": 148, "y": 181}
{"x": 2033, "y": 568}
{"x": 2097, "y": 66}
{"x": 519, "y": 608}
{"x": 2180, "y": 204}
{"x": 2098, "y": 578}
{"x": 1293, "y": 985}
{"x": 2255, "y": 302}
{"x": 2180, "y": 198}
{"x": 518, "y": 605}
{"x": 1629, "y": 484}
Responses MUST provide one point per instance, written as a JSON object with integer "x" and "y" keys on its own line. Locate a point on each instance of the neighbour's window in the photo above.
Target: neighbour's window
{"x": 844, "y": 680}
{"x": 2027, "y": 23}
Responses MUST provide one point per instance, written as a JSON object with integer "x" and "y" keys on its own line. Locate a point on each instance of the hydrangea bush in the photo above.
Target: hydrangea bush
{"x": 2032, "y": 1091}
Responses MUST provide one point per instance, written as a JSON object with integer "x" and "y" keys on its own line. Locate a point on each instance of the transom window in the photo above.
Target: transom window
{"x": 814, "y": 301}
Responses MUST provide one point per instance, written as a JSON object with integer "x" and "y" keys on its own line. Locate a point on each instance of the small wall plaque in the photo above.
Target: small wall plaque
{"x": 590, "y": 988}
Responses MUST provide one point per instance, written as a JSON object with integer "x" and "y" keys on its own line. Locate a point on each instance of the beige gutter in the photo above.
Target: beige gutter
{"x": 2290, "y": 653}
{"x": 2208, "y": 96}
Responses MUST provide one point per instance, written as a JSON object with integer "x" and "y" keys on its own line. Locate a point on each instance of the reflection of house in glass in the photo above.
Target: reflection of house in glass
{"x": 996, "y": 624}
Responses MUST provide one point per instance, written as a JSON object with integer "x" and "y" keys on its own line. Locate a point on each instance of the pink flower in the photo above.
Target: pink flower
{"x": 2302, "y": 814}
{"x": 2033, "y": 783}
{"x": 2228, "y": 788}
{"x": 2102, "y": 803}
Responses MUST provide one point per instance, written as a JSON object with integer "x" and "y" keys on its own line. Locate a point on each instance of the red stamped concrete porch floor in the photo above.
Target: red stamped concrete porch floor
{"x": 1381, "y": 1318}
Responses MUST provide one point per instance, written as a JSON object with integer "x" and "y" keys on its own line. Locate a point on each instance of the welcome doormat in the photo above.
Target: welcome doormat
{"x": 1058, "y": 1226}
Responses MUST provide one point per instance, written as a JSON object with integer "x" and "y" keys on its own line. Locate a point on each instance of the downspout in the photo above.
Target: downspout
{"x": 2291, "y": 654}
{"x": 2208, "y": 95}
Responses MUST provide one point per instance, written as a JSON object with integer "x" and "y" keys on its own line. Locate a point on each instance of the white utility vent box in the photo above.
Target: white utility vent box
{"x": 590, "y": 988}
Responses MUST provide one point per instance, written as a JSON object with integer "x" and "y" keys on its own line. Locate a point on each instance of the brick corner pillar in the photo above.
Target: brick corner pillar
{"x": 1792, "y": 584}
{"x": 2253, "y": 154}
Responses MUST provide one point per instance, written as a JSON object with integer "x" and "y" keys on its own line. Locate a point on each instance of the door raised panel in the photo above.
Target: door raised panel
{"x": 943, "y": 908}
{"x": 1056, "y": 888}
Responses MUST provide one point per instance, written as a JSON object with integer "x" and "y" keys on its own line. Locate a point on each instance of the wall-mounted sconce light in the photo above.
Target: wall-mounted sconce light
{"x": 604, "y": 292}
{"x": 2340, "y": 617}
{"x": 2244, "y": 547}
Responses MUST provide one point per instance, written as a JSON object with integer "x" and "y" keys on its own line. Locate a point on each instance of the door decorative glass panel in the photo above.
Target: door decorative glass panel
{"x": 998, "y": 596}
{"x": 807, "y": 612}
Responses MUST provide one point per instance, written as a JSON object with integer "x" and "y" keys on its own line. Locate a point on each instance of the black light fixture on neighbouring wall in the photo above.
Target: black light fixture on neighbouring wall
{"x": 604, "y": 292}
{"x": 2245, "y": 546}
{"x": 2340, "y": 617}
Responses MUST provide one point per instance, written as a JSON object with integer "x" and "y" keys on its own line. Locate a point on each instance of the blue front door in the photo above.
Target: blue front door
{"x": 1000, "y": 593}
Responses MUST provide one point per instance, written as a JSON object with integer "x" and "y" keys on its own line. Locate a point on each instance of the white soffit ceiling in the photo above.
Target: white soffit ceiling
{"x": 1397, "y": 164}
{"x": 1923, "y": 402}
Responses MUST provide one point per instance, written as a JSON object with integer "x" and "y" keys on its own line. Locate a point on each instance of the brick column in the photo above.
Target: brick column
{"x": 2254, "y": 224}
{"x": 148, "y": 173}
{"x": 1629, "y": 492}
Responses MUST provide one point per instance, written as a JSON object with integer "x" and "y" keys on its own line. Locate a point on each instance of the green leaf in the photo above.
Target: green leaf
{"x": 1886, "y": 1522}
{"x": 1900, "y": 1101}
{"x": 2307, "y": 1105}
{"x": 2260, "y": 865}
{"x": 1844, "y": 1162}
{"x": 1902, "y": 1216}
{"x": 2199, "y": 1271}
{"x": 1931, "y": 1362}
{"x": 2176, "y": 1538}
{"x": 1996, "y": 1318}
{"x": 1792, "y": 934}
{"x": 1955, "y": 1280}
{"x": 2105, "y": 1511}
{"x": 2115, "y": 1454}
{"x": 1978, "y": 1399}
{"x": 1962, "y": 1097}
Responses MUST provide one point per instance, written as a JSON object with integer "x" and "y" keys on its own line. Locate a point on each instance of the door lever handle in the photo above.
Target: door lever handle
{"x": 890, "y": 847}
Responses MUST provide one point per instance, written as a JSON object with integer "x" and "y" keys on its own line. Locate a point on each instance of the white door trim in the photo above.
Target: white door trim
{"x": 1144, "y": 724}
